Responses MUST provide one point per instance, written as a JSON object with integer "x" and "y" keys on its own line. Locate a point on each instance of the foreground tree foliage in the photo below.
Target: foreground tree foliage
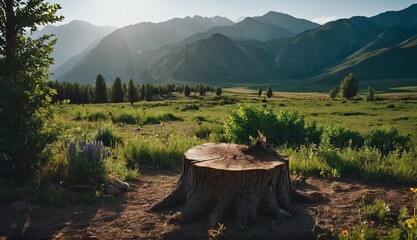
{"x": 349, "y": 86}
{"x": 26, "y": 115}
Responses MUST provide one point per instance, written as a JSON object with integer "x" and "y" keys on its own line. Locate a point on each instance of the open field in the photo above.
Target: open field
{"x": 361, "y": 116}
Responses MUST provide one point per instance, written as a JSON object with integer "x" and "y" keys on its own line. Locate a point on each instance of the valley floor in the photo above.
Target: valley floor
{"x": 126, "y": 217}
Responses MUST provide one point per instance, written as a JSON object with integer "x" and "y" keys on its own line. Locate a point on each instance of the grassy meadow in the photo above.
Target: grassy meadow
{"x": 182, "y": 115}
{"x": 156, "y": 134}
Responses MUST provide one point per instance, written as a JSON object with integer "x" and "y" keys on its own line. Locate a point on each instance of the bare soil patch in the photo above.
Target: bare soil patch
{"x": 126, "y": 217}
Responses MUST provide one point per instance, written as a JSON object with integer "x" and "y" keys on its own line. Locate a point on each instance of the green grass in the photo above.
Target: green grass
{"x": 190, "y": 118}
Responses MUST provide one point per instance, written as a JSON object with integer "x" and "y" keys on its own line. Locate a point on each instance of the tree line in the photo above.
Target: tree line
{"x": 119, "y": 92}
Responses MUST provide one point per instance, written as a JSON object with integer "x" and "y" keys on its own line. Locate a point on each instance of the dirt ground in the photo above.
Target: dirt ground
{"x": 126, "y": 217}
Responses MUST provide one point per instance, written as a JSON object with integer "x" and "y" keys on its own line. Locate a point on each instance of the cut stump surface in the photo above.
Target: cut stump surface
{"x": 219, "y": 176}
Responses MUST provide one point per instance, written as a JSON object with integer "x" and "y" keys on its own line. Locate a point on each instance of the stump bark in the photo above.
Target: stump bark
{"x": 220, "y": 176}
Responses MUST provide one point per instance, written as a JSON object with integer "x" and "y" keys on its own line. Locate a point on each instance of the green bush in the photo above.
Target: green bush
{"x": 377, "y": 211}
{"x": 312, "y": 133}
{"x": 189, "y": 107}
{"x": 341, "y": 137}
{"x": 290, "y": 128}
{"x": 96, "y": 116}
{"x": 158, "y": 119}
{"x": 124, "y": 117}
{"x": 108, "y": 137}
{"x": 387, "y": 140}
{"x": 284, "y": 128}
{"x": 243, "y": 125}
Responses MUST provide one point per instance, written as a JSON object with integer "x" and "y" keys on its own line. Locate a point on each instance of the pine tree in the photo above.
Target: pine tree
{"x": 132, "y": 92}
{"x": 370, "y": 95}
{"x": 269, "y": 92}
{"x": 333, "y": 92}
{"x": 117, "y": 94}
{"x": 219, "y": 91}
{"x": 349, "y": 86}
{"x": 142, "y": 92}
{"x": 100, "y": 90}
{"x": 125, "y": 90}
{"x": 26, "y": 114}
{"x": 148, "y": 92}
{"x": 259, "y": 92}
{"x": 187, "y": 90}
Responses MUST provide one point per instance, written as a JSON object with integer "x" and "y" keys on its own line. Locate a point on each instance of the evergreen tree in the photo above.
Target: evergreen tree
{"x": 187, "y": 90}
{"x": 370, "y": 95}
{"x": 148, "y": 92}
{"x": 132, "y": 92}
{"x": 201, "y": 89}
{"x": 259, "y": 92}
{"x": 117, "y": 94}
{"x": 349, "y": 86}
{"x": 269, "y": 92}
{"x": 26, "y": 115}
{"x": 100, "y": 90}
{"x": 125, "y": 90}
{"x": 333, "y": 92}
{"x": 142, "y": 92}
{"x": 219, "y": 91}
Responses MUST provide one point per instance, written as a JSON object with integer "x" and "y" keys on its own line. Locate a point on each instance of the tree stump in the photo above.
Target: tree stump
{"x": 219, "y": 176}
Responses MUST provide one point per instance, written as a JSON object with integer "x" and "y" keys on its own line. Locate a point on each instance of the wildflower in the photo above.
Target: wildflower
{"x": 345, "y": 232}
{"x": 411, "y": 223}
{"x": 414, "y": 190}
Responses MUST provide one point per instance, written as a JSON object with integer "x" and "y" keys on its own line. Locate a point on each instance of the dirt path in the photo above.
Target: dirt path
{"x": 126, "y": 217}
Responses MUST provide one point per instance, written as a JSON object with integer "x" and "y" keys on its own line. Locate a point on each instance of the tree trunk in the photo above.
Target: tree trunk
{"x": 219, "y": 176}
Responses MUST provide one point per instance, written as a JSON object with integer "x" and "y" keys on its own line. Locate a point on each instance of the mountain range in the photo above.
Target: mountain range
{"x": 275, "y": 47}
{"x": 73, "y": 39}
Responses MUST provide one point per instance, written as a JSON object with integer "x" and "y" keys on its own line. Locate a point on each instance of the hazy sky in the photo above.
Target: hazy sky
{"x": 124, "y": 12}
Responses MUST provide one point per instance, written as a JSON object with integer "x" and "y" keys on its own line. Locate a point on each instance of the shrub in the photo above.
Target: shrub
{"x": 333, "y": 92}
{"x": 125, "y": 117}
{"x": 189, "y": 107}
{"x": 349, "y": 86}
{"x": 108, "y": 137}
{"x": 96, "y": 116}
{"x": 377, "y": 211}
{"x": 169, "y": 117}
{"x": 284, "y": 128}
{"x": 161, "y": 118}
{"x": 387, "y": 140}
{"x": 313, "y": 133}
{"x": 86, "y": 163}
{"x": 290, "y": 128}
{"x": 370, "y": 95}
{"x": 243, "y": 125}
{"x": 219, "y": 91}
{"x": 269, "y": 92}
{"x": 341, "y": 137}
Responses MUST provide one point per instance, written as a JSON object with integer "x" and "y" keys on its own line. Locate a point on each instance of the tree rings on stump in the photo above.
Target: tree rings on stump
{"x": 219, "y": 176}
